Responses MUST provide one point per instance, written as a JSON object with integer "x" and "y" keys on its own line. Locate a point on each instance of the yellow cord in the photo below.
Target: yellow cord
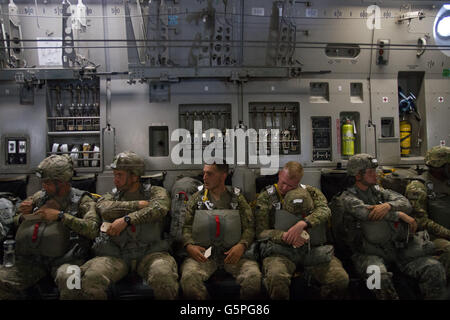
{"x": 279, "y": 193}
{"x": 205, "y": 196}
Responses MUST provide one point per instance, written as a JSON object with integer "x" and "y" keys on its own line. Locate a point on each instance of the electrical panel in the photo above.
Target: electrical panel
{"x": 321, "y": 127}
{"x": 17, "y": 150}
{"x": 73, "y": 121}
{"x": 277, "y": 115}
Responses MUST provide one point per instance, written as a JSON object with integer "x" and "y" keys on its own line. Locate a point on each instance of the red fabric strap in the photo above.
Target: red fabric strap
{"x": 133, "y": 228}
{"x": 35, "y": 232}
{"x": 217, "y": 227}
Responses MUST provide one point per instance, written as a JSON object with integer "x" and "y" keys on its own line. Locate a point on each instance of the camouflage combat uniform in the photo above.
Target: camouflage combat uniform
{"x": 428, "y": 201}
{"x": 153, "y": 263}
{"x": 80, "y": 218}
{"x": 426, "y": 270}
{"x": 245, "y": 271}
{"x": 278, "y": 268}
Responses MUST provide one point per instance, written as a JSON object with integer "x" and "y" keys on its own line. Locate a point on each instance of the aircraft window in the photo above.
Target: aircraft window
{"x": 441, "y": 29}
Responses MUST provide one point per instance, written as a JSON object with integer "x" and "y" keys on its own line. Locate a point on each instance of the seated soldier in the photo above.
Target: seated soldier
{"x": 56, "y": 225}
{"x": 430, "y": 199}
{"x": 285, "y": 212}
{"x": 379, "y": 232}
{"x": 218, "y": 221}
{"x": 131, "y": 238}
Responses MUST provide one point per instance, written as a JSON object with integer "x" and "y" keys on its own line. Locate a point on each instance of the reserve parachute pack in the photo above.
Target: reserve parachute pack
{"x": 47, "y": 238}
{"x": 296, "y": 205}
{"x": 220, "y": 228}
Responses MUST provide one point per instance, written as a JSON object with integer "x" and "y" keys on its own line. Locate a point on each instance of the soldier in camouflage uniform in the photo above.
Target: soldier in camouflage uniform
{"x": 430, "y": 199}
{"x": 286, "y": 248}
{"x": 55, "y": 227}
{"x": 131, "y": 238}
{"x": 383, "y": 233}
{"x": 218, "y": 216}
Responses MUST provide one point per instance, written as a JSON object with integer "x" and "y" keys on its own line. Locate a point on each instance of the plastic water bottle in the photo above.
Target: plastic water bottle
{"x": 9, "y": 256}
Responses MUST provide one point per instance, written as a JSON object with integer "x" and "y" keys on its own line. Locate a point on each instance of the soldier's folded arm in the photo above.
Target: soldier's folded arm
{"x": 157, "y": 209}
{"x": 321, "y": 213}
{"x": 89, "y": 223}
{"x": 111, "y": 210}
{"x": 397, "y": 201}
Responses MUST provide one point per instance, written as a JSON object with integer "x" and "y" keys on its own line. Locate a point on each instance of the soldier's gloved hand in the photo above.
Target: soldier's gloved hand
{"x": 378, "y": 211}
{"x": 196, "y": 252}
{"x": 117, "y": 227}
{"x": 409, "y": 220}
{"x": 49, "y": 214}
{"x": 235, "y": 253}
{"x": 26, "y": 207}
{"x": 293, "y": 235}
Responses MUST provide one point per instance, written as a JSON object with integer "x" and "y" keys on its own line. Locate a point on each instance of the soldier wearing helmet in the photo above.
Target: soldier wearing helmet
{"x": 55, "y": 229}
{"x": 384, "y": 234}
{"x": 293, "y": 218}
{"x": 131, "y": 234}
{"x": 233, "y": 223}
{"x": 430, "y": 199}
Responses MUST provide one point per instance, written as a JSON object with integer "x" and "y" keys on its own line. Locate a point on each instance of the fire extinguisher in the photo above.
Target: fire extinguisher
{"x": 405, "y": 137}
{"x": 348, "y": 139}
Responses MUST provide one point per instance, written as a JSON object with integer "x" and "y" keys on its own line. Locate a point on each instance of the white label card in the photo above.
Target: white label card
{"x": 207, "y": 253}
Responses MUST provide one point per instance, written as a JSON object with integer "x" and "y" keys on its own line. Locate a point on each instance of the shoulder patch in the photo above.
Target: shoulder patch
{"x": 200, "y": 188}
{"x": 302, "y": 186}
{"x": 236, "y": 190}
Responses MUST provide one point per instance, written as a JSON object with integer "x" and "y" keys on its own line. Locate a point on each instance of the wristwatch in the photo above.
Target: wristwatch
{"x": 127, "y": 220}
{"x": 60, "y": 215}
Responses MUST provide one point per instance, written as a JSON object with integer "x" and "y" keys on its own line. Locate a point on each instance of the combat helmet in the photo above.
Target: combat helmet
{"x": 298, "y": 201}
{"x": 129, "y": 161}
{"x": 360, "y": 162}
{"x": 56, "y": 167}
{"x": 437, "y": 156}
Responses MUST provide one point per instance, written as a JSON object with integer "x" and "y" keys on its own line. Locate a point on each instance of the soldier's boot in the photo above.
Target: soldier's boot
{"x": 387, "y": 290}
